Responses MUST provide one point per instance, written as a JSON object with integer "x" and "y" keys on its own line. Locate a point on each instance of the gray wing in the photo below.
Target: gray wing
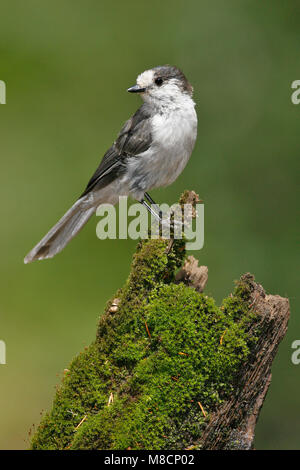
{"x": 134, "y": 138}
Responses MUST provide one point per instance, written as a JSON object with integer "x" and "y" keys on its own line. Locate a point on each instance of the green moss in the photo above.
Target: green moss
{"x": 166, "y": 355}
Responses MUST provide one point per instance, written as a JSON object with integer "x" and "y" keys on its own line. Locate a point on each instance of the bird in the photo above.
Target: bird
{"x": 151, "y": 150}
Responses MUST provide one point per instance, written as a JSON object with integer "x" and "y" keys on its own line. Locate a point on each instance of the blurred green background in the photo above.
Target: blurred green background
{"x": 67, "y": 65}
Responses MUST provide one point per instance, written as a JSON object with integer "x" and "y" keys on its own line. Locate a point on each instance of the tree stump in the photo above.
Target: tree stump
{"x": 169, "y": 369}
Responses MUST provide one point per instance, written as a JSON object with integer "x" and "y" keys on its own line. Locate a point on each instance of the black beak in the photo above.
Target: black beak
{"x": 136, "y": 89}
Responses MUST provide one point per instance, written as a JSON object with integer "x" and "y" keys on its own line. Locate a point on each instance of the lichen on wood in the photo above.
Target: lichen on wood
{"x": 166, "y": 360}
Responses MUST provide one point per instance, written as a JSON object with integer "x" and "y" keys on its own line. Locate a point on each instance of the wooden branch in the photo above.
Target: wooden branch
{"x": 193, "y": 275}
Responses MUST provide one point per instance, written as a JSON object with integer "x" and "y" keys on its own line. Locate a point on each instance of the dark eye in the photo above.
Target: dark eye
{"x": 158, "y": 81}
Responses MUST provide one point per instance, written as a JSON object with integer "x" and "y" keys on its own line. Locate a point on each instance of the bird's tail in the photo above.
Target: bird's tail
{"x": 65, "y": 229}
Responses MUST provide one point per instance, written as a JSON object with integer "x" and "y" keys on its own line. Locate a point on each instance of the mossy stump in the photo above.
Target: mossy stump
{"x": 169, "y": 369}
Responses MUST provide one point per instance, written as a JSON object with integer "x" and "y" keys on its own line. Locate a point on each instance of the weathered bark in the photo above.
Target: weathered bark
{"x": 233, "y": 425}
{"x": 193, "y": 275}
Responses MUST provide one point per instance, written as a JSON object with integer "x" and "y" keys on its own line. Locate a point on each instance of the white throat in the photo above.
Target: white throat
{"x": 170, "y": 99}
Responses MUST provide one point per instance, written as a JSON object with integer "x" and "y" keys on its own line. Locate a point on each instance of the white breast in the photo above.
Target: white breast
{"x": 174, "y": 136}
{"x": 174, "y": 132}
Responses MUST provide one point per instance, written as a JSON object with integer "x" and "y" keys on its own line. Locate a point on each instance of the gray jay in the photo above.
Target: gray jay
{"x": 151, "y": 151}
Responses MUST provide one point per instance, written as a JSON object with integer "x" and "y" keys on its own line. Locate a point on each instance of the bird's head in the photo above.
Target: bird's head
{"x": 161, "y": 84}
